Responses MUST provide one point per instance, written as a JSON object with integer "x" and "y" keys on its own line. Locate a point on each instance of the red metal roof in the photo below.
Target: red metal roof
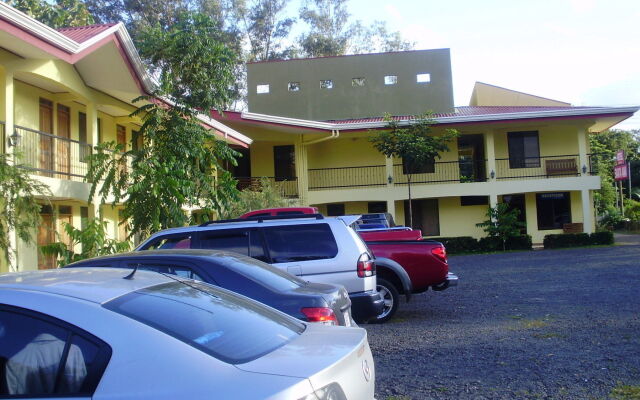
{"x": 465, "y": 111}
{"x": 81, "y": 34}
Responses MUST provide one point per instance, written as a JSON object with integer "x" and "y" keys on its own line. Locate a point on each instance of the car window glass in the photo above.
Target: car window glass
{"x": 181, "y": 271}
{"x": 170, "y": 242}
{"x": 300, "y": 242}
{"x": 217, "y": 322}
{"x": 264, "y": 273}
{"x": 256, "y": 249}
{"x": 230, "y": 241}
{"x": 32, "y": 352}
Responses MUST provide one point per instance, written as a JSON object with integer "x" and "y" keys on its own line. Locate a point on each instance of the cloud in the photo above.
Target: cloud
{"x": 582, "y": 6}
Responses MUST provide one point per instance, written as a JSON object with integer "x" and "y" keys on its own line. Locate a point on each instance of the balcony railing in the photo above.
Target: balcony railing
{"x": 462, "y": 171}
{"x": 538, "y": 167}
{"x": 347, "y": 177}
{"x": 52, "y": 156}
{"x": 287, "y": 187}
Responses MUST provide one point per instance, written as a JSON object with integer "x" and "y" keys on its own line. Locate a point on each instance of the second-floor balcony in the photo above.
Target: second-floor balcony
{"x": 450, "y": 172}
{"x": 287, "y": 187}
{"x": 52, "y": 156}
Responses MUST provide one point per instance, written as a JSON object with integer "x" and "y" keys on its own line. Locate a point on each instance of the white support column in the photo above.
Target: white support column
{"x": 302, "y": 170}
{"x": 582, "y": 151}
{"x": 490, "y": 153}
{"x": 92, "y": 136}
{"x": 493, "y": 201}
{"x": 388, "y": 162}
{"x": 587, "y": 215}
{"x": 7, "y": 116}
{"x": 391, "y": 209}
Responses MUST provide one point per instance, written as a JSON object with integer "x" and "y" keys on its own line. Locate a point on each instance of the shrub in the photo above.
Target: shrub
{"x": 460, "y": 244}
{"x": 523, "y": 242}
{"x": 577, "y": 239}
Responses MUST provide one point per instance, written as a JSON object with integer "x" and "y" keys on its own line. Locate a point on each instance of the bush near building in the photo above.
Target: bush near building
{"x": 578, "y": 239}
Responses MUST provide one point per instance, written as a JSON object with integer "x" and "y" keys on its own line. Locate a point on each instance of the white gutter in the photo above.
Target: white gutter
{"x": 334, "y": 135}
{"x": 569, "y": 112}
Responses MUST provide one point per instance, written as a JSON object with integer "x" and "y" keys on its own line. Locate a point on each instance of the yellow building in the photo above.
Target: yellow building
{"x": 525, "y": 150}
{"x": 64, "y": 91}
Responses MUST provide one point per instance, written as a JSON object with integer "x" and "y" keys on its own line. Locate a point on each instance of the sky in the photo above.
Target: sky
{"x": 585, "y": 52}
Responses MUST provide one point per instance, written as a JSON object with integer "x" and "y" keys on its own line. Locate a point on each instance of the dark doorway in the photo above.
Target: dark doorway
{"x": 517, "y": 201}
{"x": 471, "y": 158}
{"x": 426, "y": 216}
{"x": 377, "y": 207}
{"x": 284, "y": 162}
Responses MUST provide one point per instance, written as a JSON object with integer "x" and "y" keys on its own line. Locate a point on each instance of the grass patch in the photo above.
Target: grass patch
{"x": 626, "y": 392}
{"x": 533, "y": 323}
{"x": 549, "y": 335}
{"x": 398, "y": 398}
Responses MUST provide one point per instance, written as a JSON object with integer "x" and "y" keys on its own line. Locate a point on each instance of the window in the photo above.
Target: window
{"x": 554, "y": 210}
{"x": 216, "y": 322}
{"x": 183, "y": 272}
{"x": 300, "y": 242}
{"x": 262, "y": 89}
{"x": 293, "y": 86}
{"x": 390, "y": 79}
{"x": 85, "y": 149}
{"x": 474, "y": 200}
{"x": 336, "y": 209}
{"x": 284, "y": 159}
{"x": 100, "y": 131}
{"x": 423, "y": 78}
{"x": 137, "y": 142}
{"x": 524, "y": 151}
{"x": 177, "y": 241}
{"x": 261, "y": 273}
{"x": 326, "y": 84}
{"x": 377, "y": 207}
{"x": 41, "y": 358}
{"x": 227, "y": 240}
{"x": 426, "y": 168}
{"x": 357, "y": 82}
{"x": 84, "y": 217}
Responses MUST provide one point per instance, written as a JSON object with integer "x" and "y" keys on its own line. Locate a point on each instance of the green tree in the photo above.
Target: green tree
{"x": 92, "y": 239}
{"x": 604, "y": 146}
{"x": 19, "y": 204}
{"x": 57, "y": 14}
{"x": 413, "y": 143}
{"x": 266, "y": 195}
{"x": 180, "y": 163}
{"x": 265, "y": 27}
{"x": 331, "y": 32}
{"x": 502, "y": 223}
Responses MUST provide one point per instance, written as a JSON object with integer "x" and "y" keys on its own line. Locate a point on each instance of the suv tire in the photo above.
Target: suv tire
{"x": 391, "y": 298}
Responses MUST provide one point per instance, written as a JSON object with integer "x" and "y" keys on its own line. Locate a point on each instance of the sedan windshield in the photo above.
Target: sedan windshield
{"x": 229, "y": 327}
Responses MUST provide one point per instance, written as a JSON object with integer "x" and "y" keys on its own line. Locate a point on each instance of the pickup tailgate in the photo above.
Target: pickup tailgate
{"x": 422, "y": 259}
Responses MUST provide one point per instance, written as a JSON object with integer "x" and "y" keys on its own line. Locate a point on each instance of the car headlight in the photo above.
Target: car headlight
{"x": 329, "y": 392}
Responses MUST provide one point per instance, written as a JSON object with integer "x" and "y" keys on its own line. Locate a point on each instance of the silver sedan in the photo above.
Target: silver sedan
{"x": 110, "y": 333}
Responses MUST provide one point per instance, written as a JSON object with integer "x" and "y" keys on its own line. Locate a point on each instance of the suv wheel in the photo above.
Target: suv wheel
{"x": 391, "y": 298}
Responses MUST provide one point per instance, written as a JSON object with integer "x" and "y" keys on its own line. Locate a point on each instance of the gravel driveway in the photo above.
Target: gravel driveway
{"x": 548, "y": 324}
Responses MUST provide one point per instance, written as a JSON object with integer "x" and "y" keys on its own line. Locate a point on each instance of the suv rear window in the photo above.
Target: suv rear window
{"x": 230, "y": 328}
{"x": 300, "y": 242}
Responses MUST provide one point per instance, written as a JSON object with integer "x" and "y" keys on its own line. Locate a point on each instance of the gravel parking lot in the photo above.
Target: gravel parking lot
{"x": 548, "y": 324}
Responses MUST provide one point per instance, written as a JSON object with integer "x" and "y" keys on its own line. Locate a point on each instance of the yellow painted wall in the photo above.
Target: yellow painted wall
{"x": 343, "y": 152}
{"x": 457, "y": 220}
{"x": 350, "y": 207}
{"x": 553, "y": 140}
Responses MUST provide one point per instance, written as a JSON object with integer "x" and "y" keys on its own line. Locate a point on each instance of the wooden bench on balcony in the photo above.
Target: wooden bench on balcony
{"x": 576, "y": 227}
{"x": 561, "y": 166}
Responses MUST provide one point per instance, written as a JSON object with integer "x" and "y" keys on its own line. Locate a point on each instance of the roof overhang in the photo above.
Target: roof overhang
{"x": 107, "y": 61}
{"x": 603, "y": 118}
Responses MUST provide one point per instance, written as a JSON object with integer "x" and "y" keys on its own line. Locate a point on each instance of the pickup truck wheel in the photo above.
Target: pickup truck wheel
{"x": 391, "y": 298}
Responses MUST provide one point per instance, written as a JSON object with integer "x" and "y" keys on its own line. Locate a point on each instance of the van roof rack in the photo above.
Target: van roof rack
{"x": 264, "y": 218}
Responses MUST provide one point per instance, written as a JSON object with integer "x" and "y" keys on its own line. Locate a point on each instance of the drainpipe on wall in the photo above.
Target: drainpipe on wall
{"x": 334, "y": 135}
{"x": 302, "y": 168}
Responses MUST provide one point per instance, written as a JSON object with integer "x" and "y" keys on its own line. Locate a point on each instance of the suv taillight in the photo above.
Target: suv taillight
{"x": 324, "y": 315}
{"x": 366, "y": 266}
{"x": 440, "y": 253}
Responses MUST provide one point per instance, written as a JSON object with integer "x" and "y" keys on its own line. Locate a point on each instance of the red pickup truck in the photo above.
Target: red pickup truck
{"x": 405, "y": 263}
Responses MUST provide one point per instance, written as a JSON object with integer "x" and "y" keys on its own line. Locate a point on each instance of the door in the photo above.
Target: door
{"x": 284, "y": 162}
{"x": 63, "y": 145}
{"x": 517, "y": 201}
{"x": 45, "y": 236}
{"x": 121, "y": 138}
{"x": 471, "y": 158}
{"x": 46, "y": 141}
